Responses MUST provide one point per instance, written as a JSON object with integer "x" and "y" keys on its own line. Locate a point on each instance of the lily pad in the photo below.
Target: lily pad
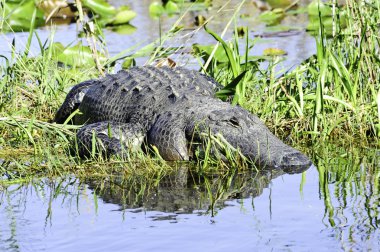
{"x": 272, "y": 17}
{"x": 128, "y": 62}
{"x": 124, "y": 29}
{"x": 205, "y": 51}
{"x": 109, "y": 15}
{"x": 123, "y": 16}
{"x": 316, "y": 7}
{"x": 56, "y": 49}
{"x": 100, "y": 7}
{"x": 274, "y": 52}
{"x": 76, "y": 56}
{"x": 156, "y": 9}
{"x": 280, "y": 3}
{"x": 18, "y": 15}
{"x": 171, "y": 8}
{"x": 320, "y": 13}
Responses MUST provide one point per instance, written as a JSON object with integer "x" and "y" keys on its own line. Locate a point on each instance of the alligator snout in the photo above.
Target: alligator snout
{"x": 295, "y": 159}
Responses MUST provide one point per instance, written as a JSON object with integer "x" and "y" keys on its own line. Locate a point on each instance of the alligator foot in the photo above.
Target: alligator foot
{"x": 108, "y": 138}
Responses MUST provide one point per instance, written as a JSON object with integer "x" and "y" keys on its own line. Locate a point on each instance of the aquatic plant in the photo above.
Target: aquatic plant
{"x": 17, "y": 14}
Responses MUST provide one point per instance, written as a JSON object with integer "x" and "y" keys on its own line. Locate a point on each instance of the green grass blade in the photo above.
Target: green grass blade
{"x": 341, "y": 69}
{"x": 228, "y": 51}
{"x": 230, "y": 89}
{"x": 31, "y": 32}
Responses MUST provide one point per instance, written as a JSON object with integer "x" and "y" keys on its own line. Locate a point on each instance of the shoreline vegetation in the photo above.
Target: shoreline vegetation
{"x": 331, "y": 97}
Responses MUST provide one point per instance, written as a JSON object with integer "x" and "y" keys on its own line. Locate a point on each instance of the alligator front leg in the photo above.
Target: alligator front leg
{"x": 108, "y": 138}
{"x": 168, "y": 136}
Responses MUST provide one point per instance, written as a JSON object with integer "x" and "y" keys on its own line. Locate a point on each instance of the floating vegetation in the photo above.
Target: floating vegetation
{"x": 18, "y": 14}
{"x": 332, "y": 19}
{"x": 76, "y": 56}
{"x": 157, "y": 9}
{"x": 272, "y": 17}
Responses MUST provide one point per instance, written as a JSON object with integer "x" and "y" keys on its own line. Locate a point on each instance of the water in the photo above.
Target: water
{"x": 298, "y": 44}
{"x": 260, "y": 212}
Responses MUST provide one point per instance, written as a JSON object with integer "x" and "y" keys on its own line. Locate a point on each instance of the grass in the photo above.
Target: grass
{"x": 331, "y": 96}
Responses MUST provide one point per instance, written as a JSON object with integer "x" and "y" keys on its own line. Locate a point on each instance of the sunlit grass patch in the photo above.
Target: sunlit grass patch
{"x": 332, "y": 95}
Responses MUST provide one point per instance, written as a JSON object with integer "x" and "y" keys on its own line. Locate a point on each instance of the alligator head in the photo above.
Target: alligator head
{"x": 202, "y": 116}
{"x": 246, "y": 132}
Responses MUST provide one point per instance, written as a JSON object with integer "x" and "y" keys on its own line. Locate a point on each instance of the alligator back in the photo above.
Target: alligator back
{"x": 140, "y": 93}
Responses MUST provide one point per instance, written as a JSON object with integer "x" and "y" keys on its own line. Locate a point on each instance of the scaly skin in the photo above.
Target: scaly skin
{"x": 168, "y": 108}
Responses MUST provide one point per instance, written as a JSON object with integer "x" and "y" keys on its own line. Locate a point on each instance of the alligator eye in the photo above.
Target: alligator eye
{"x": 234, "y": 122}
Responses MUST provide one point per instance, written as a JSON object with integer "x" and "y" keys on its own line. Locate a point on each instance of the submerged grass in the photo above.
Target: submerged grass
{"x": 349, "y": 187}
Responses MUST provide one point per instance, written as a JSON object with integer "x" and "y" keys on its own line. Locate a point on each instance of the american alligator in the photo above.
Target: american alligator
{"x": 171, "y": 109}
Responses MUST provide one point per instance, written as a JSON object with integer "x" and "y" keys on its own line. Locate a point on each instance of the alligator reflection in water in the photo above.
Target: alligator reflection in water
{"x": 337, "y": 207}
{"x": 184, "y": 191}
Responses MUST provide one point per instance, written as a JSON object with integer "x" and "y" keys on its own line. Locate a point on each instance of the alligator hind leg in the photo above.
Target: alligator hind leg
{"x": 108, "y": 138}
{"x": 73, "y": 100}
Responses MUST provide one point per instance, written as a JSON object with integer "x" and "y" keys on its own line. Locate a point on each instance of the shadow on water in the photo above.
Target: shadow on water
{"x": 183, "y": 191}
